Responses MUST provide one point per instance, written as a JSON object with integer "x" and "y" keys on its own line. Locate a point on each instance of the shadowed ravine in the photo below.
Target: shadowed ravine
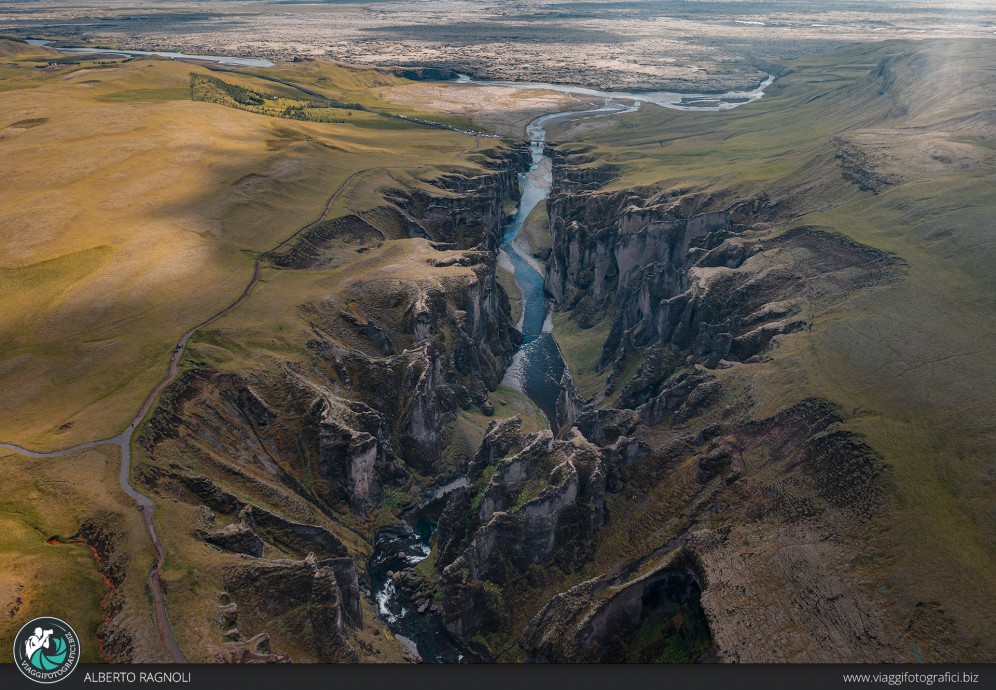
{"x": 536, "y": 370}
{"x": 538, "y": 366}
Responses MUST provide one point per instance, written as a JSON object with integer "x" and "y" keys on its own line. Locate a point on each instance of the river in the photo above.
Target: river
{"x": 536, "y": 369}
{"x": 402, "y": 546}
{"x": 538, "y": 366}
{"x": 220, "y": 59}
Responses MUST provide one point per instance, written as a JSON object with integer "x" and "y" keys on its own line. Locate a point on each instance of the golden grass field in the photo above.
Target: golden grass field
{"x": 130, "y": 213}
{"x": 41, "y": 499}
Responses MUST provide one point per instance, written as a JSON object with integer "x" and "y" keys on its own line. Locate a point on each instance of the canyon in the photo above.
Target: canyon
{"x": 344, "y": 471}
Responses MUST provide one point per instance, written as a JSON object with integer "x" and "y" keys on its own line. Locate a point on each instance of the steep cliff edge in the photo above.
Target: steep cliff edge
{"x": 750, "y": 336}
{"x": 693, "y": 284}
{"x": 535, "y": 502}
{"x": 731, "y": 513}
{"x": 688, "y": 279}
{"x": 744, "y": 437}
{"x": 290, "y": 461}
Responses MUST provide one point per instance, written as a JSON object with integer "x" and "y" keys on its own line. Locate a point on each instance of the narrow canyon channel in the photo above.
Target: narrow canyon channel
{"x": 537, "y": 368}
{"x": 402, "y": 546}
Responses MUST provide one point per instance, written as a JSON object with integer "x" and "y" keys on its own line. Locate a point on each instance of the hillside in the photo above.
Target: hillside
{"x": 774, "y": 434}
{"x": 887, "y": 150}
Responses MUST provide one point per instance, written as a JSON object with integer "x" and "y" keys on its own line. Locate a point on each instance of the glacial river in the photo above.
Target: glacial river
{"x": 538, "y": 366}
{"x": 536, "y": 369}
{"x": 220, "y": 59}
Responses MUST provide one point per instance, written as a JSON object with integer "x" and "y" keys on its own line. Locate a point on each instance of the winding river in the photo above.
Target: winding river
{"x": 536, "y": 369}
{"x": 538, "y": 366}
{"x": 220, "y": 59}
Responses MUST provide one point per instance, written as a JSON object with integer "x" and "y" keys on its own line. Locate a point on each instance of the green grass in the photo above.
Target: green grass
{"x": 536, "y": 230}
{"x": 355, "y": 85}
{"x": 582, "y": 348}
{"x": 481, "y": 485}
{"x": 146, "y": 95}
{"x": 144, "y": 216}
{"x": 670, "y": 639}
{"x": 42, "y": 498}
{"x": 507, "y": 280}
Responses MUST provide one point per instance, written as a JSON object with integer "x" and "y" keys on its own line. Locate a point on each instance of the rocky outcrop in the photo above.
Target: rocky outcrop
{"x": 237, "y": 648}
{"x": 240, "y": 537}
{"x": 283, "y": 460}
{"x": 578, "y": 170}
{"x": 319, "y": 245}
{"x": 463, "y": 342}
{"x": 102, "y": 533}
{"x": 858, "y": 167}
{"x": 658, "y": 267}
{"x": 419, "y": 73}
{"x": 284, "y": 595}
{"x": 255, "y": 530}
{"x": 688, "y": 280}
{"x": 462, "y": 209}
{"x": 756, "y": 512}
{"x": 599, "y": 621}
{"x": 352, "y": 442}
{"x": 540, "y": 504}
{"x": 394, "y": 359}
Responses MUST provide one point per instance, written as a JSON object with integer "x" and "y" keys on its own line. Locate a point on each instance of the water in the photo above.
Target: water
{"x": 665, "y": 99}
{"x": 538, "y": 367}
{"x": 402, "y": 546}
{"x": 220, "y": 59}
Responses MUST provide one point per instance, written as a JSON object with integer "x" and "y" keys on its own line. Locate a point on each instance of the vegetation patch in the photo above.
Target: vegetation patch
{"x": 211, "y": 89}
{"x": 29, "y": 123}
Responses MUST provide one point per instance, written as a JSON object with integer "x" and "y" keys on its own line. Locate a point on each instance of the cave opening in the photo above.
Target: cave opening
{"x": 673, "y": 628}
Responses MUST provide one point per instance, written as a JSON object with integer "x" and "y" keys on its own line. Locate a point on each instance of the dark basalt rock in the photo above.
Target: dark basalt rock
{"x": 466, "y": 210}
{"x": 418, "y": 73}
{"x": 796, "y": 472}
{"x": 285, "y": 594}
{"x": 102, "y": 533}
{"x": 539, "y": 505}
{"x": 687, "y": 280}
{"x": 599, "y": 621}
{"x": 316, "y": 248}
{"x": 237, "y": 538}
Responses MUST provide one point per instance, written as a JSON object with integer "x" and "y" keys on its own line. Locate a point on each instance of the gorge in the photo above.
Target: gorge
{"x": 643, "y": 388}
{"x": 537, "y": 368}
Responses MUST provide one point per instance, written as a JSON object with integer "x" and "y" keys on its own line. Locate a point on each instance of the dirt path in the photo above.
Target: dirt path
{"x": 477, "y": 145}
{"x": 146, "y": 505}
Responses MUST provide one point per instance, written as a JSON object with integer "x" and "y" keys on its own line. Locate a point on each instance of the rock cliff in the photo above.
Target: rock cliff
{"x": 535, "y": 501}
{"x": 686, "y": 279}
{"x": 285, "y": 462}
